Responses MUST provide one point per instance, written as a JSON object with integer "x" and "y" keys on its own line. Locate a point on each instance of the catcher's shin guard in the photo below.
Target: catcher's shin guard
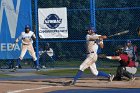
{"x": 127, "y": 74}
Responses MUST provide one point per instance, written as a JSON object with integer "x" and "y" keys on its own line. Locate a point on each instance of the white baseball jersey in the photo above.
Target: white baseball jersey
{"x": 92, "y": 46}
{"x": 27, "y": 44}
{"x": 26, "y": 37}
{"x": 130, "y": 51}
{"x": 50, "y": 52}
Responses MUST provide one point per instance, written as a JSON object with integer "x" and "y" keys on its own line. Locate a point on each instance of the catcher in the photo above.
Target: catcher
{"x": 127, "y": 66}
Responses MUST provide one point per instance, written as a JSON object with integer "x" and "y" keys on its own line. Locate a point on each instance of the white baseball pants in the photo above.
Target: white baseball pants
{"x": 90, "y": 62}
{"x": 30, "y": 48}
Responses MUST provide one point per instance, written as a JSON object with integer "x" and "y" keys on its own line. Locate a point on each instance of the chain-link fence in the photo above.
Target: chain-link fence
{"x": 113, "y": 16}
{"x": 68, "y": 52}
{"x": 108, "y": 16}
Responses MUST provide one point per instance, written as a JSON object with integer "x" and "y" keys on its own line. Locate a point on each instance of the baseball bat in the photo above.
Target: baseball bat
{"x": 120, "y": 33}
{"x": 102, "y": 55}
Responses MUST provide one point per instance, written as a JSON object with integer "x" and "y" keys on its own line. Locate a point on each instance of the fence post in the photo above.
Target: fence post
{"x": 92, "y": 13}
{"x": 36, "y": 28}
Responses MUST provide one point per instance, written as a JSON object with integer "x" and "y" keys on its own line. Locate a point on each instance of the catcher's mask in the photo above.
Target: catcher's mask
{"x": 120, "y": 50}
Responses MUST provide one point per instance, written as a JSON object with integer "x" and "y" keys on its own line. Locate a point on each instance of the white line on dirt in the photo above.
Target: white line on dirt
{"x": 18, "y": 91}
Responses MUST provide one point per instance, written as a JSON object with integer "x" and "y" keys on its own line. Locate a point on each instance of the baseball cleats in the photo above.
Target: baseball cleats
{"x": 132, "y": 79}
{"x": 111, "y": 77}
{"x": 14, "y": 69}
{"x": 37, "y": 68}
{"x": 69, "y": 83}
{"x": 43, "y": 67}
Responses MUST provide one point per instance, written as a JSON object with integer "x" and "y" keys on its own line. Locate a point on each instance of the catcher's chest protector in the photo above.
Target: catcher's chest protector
{"x": 124, "y": 57}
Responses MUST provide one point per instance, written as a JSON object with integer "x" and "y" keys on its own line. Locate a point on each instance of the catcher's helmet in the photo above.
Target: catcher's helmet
{"x": 120, "y": 49}
{"x": 27, "y": 26}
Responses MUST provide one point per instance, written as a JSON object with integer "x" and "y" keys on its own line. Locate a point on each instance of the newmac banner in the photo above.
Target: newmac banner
{"x": 14, "y": 14}
{"x": 53, "y": 23}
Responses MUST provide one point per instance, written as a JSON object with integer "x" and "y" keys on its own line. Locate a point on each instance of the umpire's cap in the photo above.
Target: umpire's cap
{"x": 27, "y": 26}
{"x": 129, "y": 41}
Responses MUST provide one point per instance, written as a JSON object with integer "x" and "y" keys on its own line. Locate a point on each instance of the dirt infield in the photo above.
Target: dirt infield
{"x": 49, "y": 85}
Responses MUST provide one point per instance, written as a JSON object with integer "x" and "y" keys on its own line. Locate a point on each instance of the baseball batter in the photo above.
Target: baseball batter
{"x": 93, "y": 41}
{"x": 27, "y": 39}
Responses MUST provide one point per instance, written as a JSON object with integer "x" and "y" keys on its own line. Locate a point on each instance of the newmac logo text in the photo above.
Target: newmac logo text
{"x": 11, "y": 15}
{"x": 52, "y": 21}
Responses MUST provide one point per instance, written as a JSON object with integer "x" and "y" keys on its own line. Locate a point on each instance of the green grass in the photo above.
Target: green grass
{"x": 4, "y": 76}
{"x": 76, "y": 63}
{"x": 58, "y": 72}
{"x": 72, "y": 63}
{"x": 71, "y": 72}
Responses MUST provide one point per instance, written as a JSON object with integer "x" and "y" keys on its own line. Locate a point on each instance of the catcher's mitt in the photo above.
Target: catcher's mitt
{"x": 102, "y": 55}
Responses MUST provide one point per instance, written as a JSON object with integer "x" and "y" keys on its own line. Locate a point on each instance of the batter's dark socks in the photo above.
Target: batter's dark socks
{"x": 103, "y": 74}
{"x": 18, "y": 62}
{"x": 36, "y": 63}
{"x": 79, "y": 73}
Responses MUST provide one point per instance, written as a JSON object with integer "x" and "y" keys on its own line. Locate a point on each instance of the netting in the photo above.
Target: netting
{"x": 111, "y": 16}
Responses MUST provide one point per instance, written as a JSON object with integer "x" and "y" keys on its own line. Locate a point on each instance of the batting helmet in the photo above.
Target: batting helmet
{"x": 27, "y": 26}
{"x": 92, "y": 29}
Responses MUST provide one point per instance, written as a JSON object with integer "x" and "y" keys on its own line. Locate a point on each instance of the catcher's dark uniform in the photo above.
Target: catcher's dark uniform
{"x": 121, "y": 70}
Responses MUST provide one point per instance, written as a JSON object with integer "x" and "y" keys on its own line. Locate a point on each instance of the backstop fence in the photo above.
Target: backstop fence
{"x": 107, "y": 16}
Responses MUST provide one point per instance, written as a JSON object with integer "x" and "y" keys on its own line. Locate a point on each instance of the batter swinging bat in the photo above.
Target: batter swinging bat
{"x": 120, "y": 33}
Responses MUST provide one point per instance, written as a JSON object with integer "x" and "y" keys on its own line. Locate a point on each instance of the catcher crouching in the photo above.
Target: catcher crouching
{"x": 127, "y": 67}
